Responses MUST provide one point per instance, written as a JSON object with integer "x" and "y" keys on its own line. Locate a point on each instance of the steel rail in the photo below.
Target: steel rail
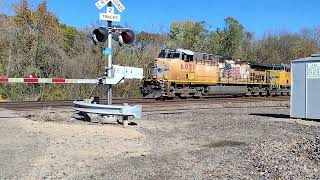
{"x": 69, "y": 103}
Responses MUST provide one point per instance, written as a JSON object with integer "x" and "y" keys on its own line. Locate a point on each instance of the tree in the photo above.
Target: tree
{"x": 312, "y": 34}
{"x": 188, "y": 35}
{"x": 215, "y": 43}
{"x": 34, "y": 42}
{"x": 233, "y": 39}
{"x": 232, "y": 42}
{"x": 284, "y": 47}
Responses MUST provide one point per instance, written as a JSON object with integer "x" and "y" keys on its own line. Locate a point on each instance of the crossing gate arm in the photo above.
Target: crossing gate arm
{"x": 119, "y": 73}
{"x": 48, "y": 81}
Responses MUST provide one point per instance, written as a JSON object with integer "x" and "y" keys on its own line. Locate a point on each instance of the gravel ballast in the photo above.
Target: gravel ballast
{"x": 249, "y": 141}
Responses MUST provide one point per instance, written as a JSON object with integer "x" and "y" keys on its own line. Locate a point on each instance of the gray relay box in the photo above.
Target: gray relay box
{"x": 305, "y": 88}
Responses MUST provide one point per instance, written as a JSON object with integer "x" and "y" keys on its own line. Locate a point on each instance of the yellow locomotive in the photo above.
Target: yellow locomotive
{"x": 187, "y": 74}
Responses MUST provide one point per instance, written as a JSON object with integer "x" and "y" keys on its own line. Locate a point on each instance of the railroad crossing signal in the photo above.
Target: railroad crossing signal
{"x": 100, "y": 35}
{"x": 122, "y": 35}
{"x": 114, "y": 74}
{"x": 126, "y": 36}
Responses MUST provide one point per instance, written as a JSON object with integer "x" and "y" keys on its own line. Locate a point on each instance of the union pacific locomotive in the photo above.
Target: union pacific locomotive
{"x": 187, "y": 74}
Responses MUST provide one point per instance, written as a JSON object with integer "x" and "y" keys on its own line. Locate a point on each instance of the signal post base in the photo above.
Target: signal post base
{"x": 109, "y": 112}
{"x": 125, "y": 121}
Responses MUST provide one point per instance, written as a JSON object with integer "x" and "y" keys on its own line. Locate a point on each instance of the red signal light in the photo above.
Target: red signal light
{"x": 122, "y": 35}
{"x": 100, "y": 35}
{"x": 127, "y": 36}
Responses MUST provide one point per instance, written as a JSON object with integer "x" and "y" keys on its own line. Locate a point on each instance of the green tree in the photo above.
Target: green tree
{"x": 34, "y": 42}
{"x": 284, "y": 47}
{"x": 215, "y": 43}
{"x": 232, "y": 42}
{"x": 188, "y": 35}
{"x": 233, "y": 38}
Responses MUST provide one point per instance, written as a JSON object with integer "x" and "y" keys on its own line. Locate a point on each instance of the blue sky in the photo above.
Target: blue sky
{"x": 258, "y": 16}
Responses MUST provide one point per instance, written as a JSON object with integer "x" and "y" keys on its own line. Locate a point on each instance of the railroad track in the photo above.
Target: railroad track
{"x": 145, "y": 102}
{"x": 56, "y": 104}
{"x": 222, "y": 104}
{"x": 184, "y": 110}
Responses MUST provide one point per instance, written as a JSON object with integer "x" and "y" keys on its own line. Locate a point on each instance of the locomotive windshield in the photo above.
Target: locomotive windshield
{"x": 187, "y": 55}
{"x": 177, "y": 54}
{"x": 169, "y": 54}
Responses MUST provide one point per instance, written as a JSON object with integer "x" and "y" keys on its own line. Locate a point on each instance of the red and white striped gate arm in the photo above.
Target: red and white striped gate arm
{"x": 120, "y": 73}
{"x": 48, "y": 80}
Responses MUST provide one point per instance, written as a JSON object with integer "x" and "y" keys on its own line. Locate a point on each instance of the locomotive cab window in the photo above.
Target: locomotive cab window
{"x": 187, "y": 58}
{"x": 176, "y": 55}
{"x": 205, "y": 56}
{"x": 169, "y": 54}
{"x": 162, "y": 54}
{"x": 210, "y": 57}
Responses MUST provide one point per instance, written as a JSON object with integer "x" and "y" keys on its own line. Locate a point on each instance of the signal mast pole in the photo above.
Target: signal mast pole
{"x": 102, "y": 34}
{"x": 109, "y": 70}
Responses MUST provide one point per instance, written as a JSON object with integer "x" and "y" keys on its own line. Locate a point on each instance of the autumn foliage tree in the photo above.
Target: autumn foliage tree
{"x": 33, "y": 42}
{"x": 284, "y": 47}
{"x": 233, "y": 42}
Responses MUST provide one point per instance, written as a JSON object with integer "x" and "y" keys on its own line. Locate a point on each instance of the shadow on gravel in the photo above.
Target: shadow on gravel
{"x": 8, "y": 117}
{"x": 280, "y": 116}
{"x": 284, "y": 116}
{"x": 312, "y": 120}
{"x": 130, "y": 123}
{"x": 82, "y": 117}
{"x": 225, "y": 143}
{"x": 86, "y": 118}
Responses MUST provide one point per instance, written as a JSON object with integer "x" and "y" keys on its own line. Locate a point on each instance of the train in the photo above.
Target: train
{"x": 181, "y": 73}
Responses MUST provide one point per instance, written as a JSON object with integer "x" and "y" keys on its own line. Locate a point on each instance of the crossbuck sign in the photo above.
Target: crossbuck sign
{"x": 110, "y": 15}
